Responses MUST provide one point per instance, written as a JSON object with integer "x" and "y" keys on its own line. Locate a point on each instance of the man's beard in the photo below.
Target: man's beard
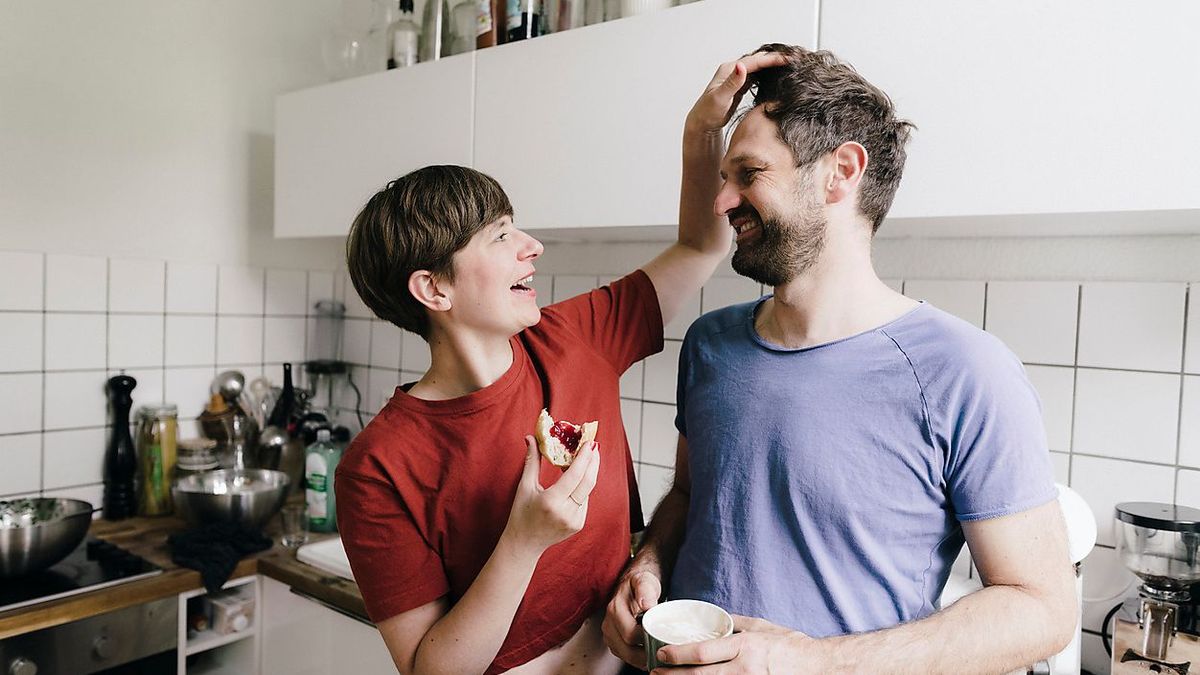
{"x": 782, "y": 250}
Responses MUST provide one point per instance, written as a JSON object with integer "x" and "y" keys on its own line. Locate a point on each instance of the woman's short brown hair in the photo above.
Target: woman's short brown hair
{"x": 820, "y": 103}
{"x": 418, "y": 222}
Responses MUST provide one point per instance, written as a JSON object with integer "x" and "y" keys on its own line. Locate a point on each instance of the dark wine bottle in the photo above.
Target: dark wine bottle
{"x": 120, "y": 460}
{"x": 524, "y": 20}
{"x": 281, "y": 415}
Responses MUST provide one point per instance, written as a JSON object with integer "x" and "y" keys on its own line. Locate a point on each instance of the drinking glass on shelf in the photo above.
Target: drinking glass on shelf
{"x": 295, "y": 525}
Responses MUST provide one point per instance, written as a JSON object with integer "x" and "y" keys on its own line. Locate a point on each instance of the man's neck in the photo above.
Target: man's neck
{"x": 460, "y": 365}
{"x": 839, "y": 296}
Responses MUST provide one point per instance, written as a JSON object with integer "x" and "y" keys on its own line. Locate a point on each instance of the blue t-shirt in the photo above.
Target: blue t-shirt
{"x": 828, "y": 483}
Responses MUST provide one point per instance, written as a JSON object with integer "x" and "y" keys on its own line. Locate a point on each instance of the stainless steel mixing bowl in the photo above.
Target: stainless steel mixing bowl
{"x": 36, "y": 533}
{"x": 246, "y": 496}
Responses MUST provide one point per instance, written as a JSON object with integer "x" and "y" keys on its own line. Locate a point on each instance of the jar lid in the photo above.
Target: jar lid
{"x": 1170, "y": 517}
{"x": 196, "y": 445}
{"x": 156, "y": 411}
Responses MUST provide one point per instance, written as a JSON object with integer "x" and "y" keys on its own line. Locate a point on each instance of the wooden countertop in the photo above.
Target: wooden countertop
{"x": 147, "y": 537}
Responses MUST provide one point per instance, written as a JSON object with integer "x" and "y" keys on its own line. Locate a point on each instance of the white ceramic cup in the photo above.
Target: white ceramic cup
{"x": 678, "y": 622}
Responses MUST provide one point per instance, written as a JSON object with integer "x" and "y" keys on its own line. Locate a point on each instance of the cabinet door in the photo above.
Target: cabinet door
{"x": 336, "y": 145}
{"x": 302, "y": 637}
{"x": 1033, "y": 107}
{"x": 583, "y": 128}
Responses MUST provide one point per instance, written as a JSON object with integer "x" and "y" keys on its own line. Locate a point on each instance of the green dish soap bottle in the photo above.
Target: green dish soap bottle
{"x": 321, "y": 460}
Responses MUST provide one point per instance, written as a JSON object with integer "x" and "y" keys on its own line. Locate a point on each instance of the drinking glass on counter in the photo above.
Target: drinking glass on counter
{"x": 295, "y": 525}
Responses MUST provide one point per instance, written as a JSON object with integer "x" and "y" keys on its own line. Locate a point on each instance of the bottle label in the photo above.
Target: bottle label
{"x": 514, "y": 14}
{"x": 404, "y": 48}
{"x": 317, "y": 493}
{"x": 483, "y": 17}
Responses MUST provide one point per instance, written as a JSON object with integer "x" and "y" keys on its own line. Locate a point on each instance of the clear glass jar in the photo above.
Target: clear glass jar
{"x": 157, "y": 433}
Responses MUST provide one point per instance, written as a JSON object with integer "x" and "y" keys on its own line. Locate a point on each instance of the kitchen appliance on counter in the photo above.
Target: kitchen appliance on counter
{"x": 1157, "y": 631}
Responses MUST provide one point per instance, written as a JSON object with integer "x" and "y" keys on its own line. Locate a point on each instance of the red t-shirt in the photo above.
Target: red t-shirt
{"x": 425, "y": 490}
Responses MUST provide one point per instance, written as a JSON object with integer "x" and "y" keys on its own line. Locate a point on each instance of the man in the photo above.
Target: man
{"x": 838, "y": 441}
{"x": 466, "y": 563}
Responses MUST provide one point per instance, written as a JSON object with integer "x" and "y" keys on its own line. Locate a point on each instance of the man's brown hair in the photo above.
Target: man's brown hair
{"x": 818, "y": 102}
{"x": 418, "y": 222}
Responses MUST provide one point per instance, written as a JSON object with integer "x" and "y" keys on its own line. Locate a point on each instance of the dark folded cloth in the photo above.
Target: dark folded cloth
{"x": 215, "y": 549}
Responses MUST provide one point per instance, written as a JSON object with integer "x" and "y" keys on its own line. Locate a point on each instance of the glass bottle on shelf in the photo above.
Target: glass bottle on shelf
{"x": 524, "y": 19}
{"x": 402, "y": 38}
{"x": 491, "y": 18}
{"x": 436, "y": 34}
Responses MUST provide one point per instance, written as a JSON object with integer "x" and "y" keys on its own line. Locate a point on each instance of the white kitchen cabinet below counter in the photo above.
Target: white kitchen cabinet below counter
{"x": 301, "y": 637}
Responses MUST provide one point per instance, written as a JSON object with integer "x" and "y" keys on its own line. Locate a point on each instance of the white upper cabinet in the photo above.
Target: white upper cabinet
{"x": 1030, "y": 107}
{"x": 583, "y": 128}
{"x": 337, "y": 145}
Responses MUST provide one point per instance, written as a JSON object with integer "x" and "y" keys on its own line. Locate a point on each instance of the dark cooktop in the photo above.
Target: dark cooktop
{"x": 92, "y": 565}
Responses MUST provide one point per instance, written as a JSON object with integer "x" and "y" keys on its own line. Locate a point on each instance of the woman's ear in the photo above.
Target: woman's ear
{"x": 424, "y": 287}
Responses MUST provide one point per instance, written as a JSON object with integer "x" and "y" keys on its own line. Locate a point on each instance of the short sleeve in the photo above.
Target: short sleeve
{"x": 998, "y": 463}
{"x": 394, "y": 567}
{"x": 621, "y": 321}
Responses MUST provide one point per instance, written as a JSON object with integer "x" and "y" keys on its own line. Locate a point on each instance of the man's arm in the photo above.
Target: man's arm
{"x": 1025, "y": 613}
{"x": 704, "y": 236}
{"x": 649, "y": 573}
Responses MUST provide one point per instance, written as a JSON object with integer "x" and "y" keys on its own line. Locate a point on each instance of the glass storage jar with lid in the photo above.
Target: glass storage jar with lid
{"x": 157, "y": 430}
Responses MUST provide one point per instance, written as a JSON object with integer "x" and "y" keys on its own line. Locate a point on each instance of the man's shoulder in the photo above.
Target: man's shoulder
{"x": 935, "y": 340}
{"x": 719, "y": 322}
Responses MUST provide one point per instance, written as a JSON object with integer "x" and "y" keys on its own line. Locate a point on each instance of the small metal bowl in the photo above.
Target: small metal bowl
{"x": 37, "y": 533}
{"x": 246, "y": 496}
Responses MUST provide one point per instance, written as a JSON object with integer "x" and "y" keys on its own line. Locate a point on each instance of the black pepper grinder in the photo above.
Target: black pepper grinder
{"x": 120, "y": 461}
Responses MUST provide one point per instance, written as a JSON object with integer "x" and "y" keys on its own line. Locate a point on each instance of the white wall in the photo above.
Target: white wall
{"x": 143, "y": 128}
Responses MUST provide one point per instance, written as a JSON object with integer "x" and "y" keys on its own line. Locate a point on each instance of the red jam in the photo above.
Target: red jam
{"x": 568, "y": 434}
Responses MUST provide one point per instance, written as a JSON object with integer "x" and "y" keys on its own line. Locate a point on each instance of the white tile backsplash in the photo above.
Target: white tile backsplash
{"x": 414, "y": 352}
{"x": 653, "y": 484}
{"x": 75, "y": 341}
{"x": 20, "y": 341}
{"x": 136, "y": 285}
{"x": 1127, "y": 415}
{"x": 239, "y": 339}
{"x": 73, "y": 457}
{"x": 21, "y": 457}
{"x": 1106, "y": 581}
{"x": 724, "y": 291}
{"x": 1103, "y": 483}
{"x": 191, "y": 340}
{"x": 1036, "y": 319}
{"x": 661, "y": 382}
{"x": 1056, "y": 389}
{"x": 382, "y": 385}
{"x": 283, "y": 340}
{"x": 631, "y": 381}
{"x": 1189, "y": 422}
{"x": 571, "y": 285}
{"x": 135, "y": 340}
{"x": 1191, "y": 359}
{"x": 964, "y": 299}
{"x": 356, "y": 341}
{"x": 22, "y": 283}
{"x": 543, "y": 286}
{"x": 354, "y": 304}
{"x": 76, "y": 283}
{"x": 287, "y": 292}
{"x": 1062, "y": 466}
{"x": 149, "y": 389}
{"x": 75, "y": 400}
{"x": 191, "y": 288}
{"x": 240, "y": 290}
{"x": 659, "y": 435}
{"x": 1187, "y": 488}
{"x": 1137, "y": 326}
{"x": 20, "y": 402}
{"x": 320, "y": 287}
{"x": 188, "y": 389}
{"x": 385, "y": 345}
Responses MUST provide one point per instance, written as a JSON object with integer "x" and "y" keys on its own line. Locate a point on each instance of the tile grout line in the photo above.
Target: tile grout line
{"x": 1075, "y": 382}
{"x": 1187, "y": 295}
{"x": 42, "y": 421}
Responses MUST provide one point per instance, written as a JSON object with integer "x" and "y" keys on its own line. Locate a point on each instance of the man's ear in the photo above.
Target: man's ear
{"x": 424, "y": 287}
{"x": 849, "y": 162}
